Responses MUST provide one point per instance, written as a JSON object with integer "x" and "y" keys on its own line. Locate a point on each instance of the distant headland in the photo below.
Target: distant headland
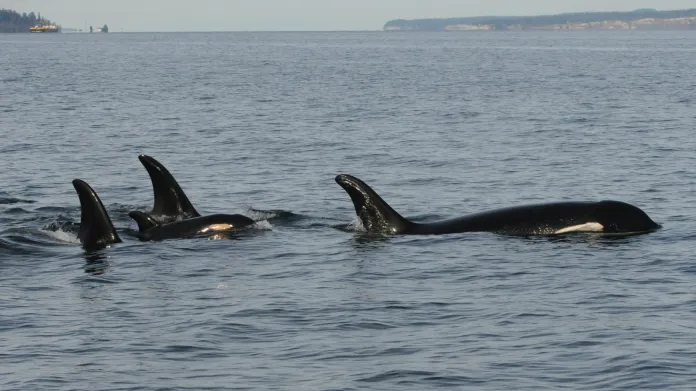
{"x": 641, "y": 19}
{"x": 13, "y": 22}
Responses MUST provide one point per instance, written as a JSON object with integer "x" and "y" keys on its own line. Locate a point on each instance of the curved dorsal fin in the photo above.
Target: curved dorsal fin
{"x": 374, "y": 213}
{"x": 170, "y": 200}
{"x": 96, "y": 229}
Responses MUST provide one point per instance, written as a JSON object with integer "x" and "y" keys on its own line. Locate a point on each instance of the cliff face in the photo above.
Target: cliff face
{"x": 637, "y": 20}
{"x": 641, "y": 24}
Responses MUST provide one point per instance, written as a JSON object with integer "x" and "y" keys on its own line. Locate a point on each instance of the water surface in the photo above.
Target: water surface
{"x": 439, "y": 124}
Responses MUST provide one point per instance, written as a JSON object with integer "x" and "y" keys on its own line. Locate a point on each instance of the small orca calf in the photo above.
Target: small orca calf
{"x": 96, "y": 229}
{"x": 542, "y": 219}
{"x": 171, "y": 203}
{"x": 151, "y": 229}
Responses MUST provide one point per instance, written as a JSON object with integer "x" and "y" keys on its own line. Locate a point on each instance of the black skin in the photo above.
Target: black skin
{"x": 541, "y": 219}
{"x": 96, "y": 229}
{"x": 173, "y": 215}
{"x": 151, "y": 230}
{"x": 171, "y": 203}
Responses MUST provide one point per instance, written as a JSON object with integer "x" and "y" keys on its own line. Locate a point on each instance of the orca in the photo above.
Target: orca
{"x": 541, "y": 219}
{"x": 96, "y": 229}
{"x": 171, "y": 203}
{"x": 152, "y": 230}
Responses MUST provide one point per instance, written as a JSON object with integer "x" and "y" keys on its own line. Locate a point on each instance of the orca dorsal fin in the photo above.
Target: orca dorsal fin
{"x": 96, "y": 229}
{"x": 374, "y": 213}
{"x": 144, "y": 220}
{"x": 170, "y": 200}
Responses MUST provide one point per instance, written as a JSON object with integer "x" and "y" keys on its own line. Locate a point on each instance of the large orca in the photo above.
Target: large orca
{"x": 171, "y": 203}
{"x": 541, "y": 219}
{"x": 96, "y": 229}
{"x": 151, "y": 229}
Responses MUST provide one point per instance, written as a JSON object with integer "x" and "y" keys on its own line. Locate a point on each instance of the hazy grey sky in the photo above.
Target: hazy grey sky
{"x": 244, "y": 15}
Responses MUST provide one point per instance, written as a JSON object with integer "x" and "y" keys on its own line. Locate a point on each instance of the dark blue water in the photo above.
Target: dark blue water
{"x": 259, "y": 123}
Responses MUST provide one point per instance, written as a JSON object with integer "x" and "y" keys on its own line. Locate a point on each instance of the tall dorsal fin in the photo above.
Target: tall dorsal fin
{"x": 170, "y": 200}
{"x": 144, "y": 220}
{"x": 374, "y": 213}
{"x": 96, "y": 229}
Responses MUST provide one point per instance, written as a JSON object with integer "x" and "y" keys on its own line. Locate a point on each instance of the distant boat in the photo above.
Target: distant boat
{"x": 46, "y": 28}
{"x": 104, "y": 29}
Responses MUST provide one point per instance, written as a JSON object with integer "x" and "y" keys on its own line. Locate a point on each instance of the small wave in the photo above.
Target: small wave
{"x": 356, "y": 226}
{"x": 55, "y": 233}
{"x": 393, "y": 375}
{"x": 10, "y": 201}
{"x": 273, "y": 214}
{"x": 427, "y": 378}
{"x": 62, "y": 225}
{"x": 16, "y": 211}
{"x": 263, "y": 225}
{"x": 374, "y": 325}
{"x": 62, "y": 236}
{"x": 56, "y": 209}
{"x": 35, "y": 237}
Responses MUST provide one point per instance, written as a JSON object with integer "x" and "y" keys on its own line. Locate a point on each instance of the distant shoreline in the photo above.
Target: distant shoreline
{"x": 641, "y": 19}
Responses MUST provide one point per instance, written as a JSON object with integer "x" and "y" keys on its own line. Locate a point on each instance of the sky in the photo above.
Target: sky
{"x": 298, "y": 15}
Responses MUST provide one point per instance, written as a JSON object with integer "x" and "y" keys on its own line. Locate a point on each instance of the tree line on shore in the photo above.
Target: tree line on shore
{"x": 8, "y": 16}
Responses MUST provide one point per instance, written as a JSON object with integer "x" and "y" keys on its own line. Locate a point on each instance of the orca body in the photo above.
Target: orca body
{"x": 171, "y": 203}
{"x": 96, "y": 229}
{"x": 540, "y": 219}
{"x": 152, "y": 230}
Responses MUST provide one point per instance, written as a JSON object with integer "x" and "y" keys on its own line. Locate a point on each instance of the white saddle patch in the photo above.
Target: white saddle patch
{"x": 587, "y": 227}
{"x": 216, "y": 227}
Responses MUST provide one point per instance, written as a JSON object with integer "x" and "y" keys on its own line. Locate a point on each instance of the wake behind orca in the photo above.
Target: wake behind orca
{"x": 541, "y": 219}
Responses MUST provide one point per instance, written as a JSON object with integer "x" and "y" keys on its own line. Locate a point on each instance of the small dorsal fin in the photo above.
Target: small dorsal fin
{"x": 144, "y": 220}
{"x": 96, "y": 229}
{"x": 170, "y": 200}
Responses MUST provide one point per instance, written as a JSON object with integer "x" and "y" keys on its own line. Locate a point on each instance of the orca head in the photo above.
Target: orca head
{"x": 96, "y": 229}
{"x": 170, "y": 199}
{"x": 145, "y": 221}
{"x": 620, "y": 217}
{"x": 374, "y": 213}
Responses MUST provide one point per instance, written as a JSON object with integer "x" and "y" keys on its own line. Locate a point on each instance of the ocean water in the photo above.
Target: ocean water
{"x": 440, "y": 125}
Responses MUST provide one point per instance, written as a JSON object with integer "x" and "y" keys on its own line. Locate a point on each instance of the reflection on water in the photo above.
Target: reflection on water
{"x": 96, "y": 262}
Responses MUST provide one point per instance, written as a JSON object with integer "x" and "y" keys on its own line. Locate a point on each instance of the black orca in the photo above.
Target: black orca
{"x": 96, "y": 229}
{"x": 171, "y": 203}
{"x": 542, "y": 219}
{"x": 151, "y": 229}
